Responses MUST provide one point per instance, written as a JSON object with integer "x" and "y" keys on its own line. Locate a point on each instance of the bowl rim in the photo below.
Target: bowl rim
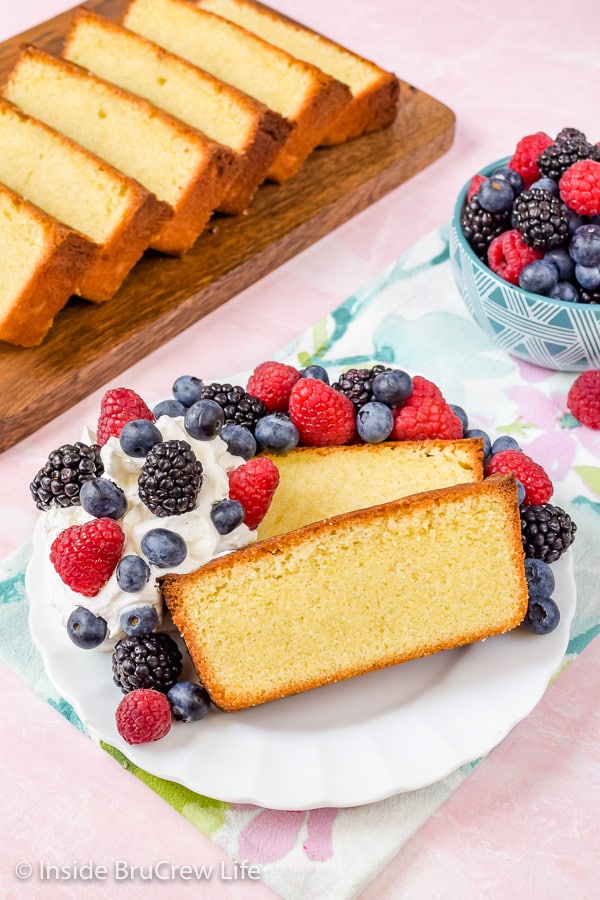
{"x": 466, "y": 247}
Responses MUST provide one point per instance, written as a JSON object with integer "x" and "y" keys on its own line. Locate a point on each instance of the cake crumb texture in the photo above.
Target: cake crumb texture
{"x": 318, "y": 482}
{"x": 375, "y": 92}
{"x": 42, "y": 264}
{"x": 354, "y": 593}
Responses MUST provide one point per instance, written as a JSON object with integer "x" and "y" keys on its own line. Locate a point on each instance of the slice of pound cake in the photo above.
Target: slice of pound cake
{"x": 82, "y": 191}
{"x": 374, "y": 91}
{"x": 42, "y": 262}
{"x": 171, "y": 159}
{"x": 299, "y": 91}
{"x": 318, "y": 482}
{"x": 252, "y": 132}
{"x": 354, "y": 593}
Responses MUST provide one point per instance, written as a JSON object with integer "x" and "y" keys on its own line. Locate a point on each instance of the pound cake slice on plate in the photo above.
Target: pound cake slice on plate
{"x": 42, "y": 263}
{"x": 374, "y": 91}
{"x": 171, "y": 159}
{"x": 298, "y": 91}
{"x": 318, "y": 482}
{"x": 82, "y": 191}
{"x": 354, "y": 593}
{"x": 252, "y": 132}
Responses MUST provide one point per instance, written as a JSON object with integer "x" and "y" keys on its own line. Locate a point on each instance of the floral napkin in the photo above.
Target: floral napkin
{"x": 410, "y": 317}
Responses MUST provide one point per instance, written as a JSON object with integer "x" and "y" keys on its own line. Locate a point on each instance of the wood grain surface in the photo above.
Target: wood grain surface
{"x": 90, "y": 344}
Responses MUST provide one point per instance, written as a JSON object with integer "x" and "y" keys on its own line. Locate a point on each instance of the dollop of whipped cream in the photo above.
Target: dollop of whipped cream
{"x": 202, "y": 539}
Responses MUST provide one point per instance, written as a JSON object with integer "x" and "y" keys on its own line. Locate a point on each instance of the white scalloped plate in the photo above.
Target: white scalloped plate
{"x": 345, "y": 744}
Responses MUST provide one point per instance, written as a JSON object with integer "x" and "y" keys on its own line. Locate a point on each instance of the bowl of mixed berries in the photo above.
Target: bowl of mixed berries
{"x": 525, "y": 250}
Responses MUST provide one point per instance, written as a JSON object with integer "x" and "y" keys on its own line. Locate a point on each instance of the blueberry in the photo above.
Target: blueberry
{"x": 277, "y": 433}
{"x": 317, "y": 372}
{"x": 187, "y": 389}
{"x": 513, "y": 178}
{"x": 566, "y": 291}
{"x": 496, "y": 195}
{"x": 545, "y": 184}
{"x": 540, "y": 578}
{"x": 573, "y": 219}
{"x": 138, "y": 437}
{"x": 392, "y": 387}
{"x": 172, "y": 408}
{"x": 139, "y": 620}
{"x": 588, "y": 276}
{"x": 227, "y": 515}
{"x": 163, "y": 548}
{"x": 539, "y": 277}
{"x": 189, "y": 701}
{"x": 204, "y": 420}
{"x": 487, "y": 444}
{"x": 561, "y": 258}
{"x": 521, "y": 492}
{"x": 374, "y": 422}
{"x": 103, "y": 499}
{"x": 461, "y": 414}
{"x": 505, "y": 442}
{"x": 132, "y": 573}
{"x": 585, "y": 245}
{"x": 85, "y": 629}
{"x": 542, "y": 616}
{"x": 240, "y": 441}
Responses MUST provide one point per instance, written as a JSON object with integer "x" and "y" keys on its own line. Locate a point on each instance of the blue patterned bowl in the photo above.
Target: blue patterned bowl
{"x": 546, "y": 332}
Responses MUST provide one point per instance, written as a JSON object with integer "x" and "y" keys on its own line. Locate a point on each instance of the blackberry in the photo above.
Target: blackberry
{"x": 170, "y": 479}
{"x": 540, "y": 218}
{"x": 240, "y": 407}
{"x": 151, "y": 661}
{"x": 59, "y": 481}
{"x": 591, "y": 297}
{"x": 481, "y": 227}
{"x": 547, "y": 531}
{"x": 570, "y": 133}
{"x": 554, "y": 161}
{"x": 357, "y": 384}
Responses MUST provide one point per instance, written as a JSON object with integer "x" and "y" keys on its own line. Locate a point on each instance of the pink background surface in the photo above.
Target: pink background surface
{"x": 525, "y": 823}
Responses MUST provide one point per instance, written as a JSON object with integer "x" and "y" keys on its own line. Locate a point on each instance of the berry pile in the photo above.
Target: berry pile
{"x": 281, "y": 407}
{"x": 536, "y": 221}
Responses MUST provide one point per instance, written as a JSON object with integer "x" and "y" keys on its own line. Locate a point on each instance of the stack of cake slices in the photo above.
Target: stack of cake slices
{"x": 141, "y": 129}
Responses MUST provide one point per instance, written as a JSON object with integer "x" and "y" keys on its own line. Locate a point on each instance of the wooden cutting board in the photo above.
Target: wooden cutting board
{"x": 88, "y": 344}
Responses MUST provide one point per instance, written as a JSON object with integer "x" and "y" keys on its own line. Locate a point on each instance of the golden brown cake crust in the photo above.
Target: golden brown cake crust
{"x": 500, "y": 489}
{"x": 373, "y": 108}
{"x": 118, "y": 254}
{"x": 56, "y": 278}
{"x": 326, "y": 105}
{"x": 206, "y": 186}
{"x": 368, "y": 112}
{"x": 272, "y": 132}
{"x": 320, "y": 107}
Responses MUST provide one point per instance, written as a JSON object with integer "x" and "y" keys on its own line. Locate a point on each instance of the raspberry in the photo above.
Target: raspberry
{"x": 580, "y": 187}
{"x": 143, "y": 716}
{"x": 538, "y": 487}
{"x": 253, "y": 485}
{"x": 426, "y": 417}
{"x": 85, "y": 556}
{"x": 474, "y": 185}
{"x": 524, "y": 159}
{"x": 322, "y": 415}
{"x": 272, "y": 383}
{"x": 423, "y": 388}
{"x": 119, "y": 406}
{"x": 583, "y": 400}
{"x": 508, "y": 254}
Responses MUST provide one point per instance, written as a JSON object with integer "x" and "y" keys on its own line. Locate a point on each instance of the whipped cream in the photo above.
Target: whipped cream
{"x": 196, "y": 528}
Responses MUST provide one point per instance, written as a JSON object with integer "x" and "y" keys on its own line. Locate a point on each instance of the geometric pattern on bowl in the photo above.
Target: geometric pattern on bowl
{"x": 549, "y": 333}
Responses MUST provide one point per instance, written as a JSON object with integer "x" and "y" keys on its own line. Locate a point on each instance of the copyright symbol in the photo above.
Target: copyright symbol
{"x": 23, "y": 870}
